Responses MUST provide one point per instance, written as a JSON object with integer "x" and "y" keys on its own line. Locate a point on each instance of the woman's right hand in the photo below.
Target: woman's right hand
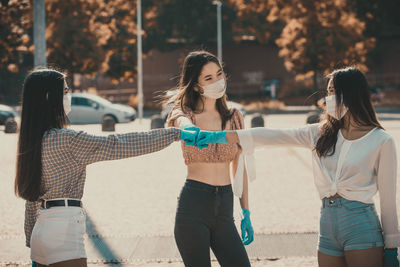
{"x": 390, "y": 258}
{"x": 246, "y": 227}
{"x": 206, "y": 137}
{"x": 192, "y": 127}
{"x": 189, "y": 137}
{"x": 193, "y": 136}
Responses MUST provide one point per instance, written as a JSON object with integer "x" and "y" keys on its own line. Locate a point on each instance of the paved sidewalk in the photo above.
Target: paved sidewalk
{"x": 162, "y": 249}
{"x": 131, "y": 203}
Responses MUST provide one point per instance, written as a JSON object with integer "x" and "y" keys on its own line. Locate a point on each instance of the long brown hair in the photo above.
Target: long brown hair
{"x": 352, "y": 87}
{"x": 42, "y": 109}
{"x": 188, "y": 98}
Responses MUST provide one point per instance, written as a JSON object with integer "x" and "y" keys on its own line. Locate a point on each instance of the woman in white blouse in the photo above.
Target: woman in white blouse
{"x": 353, "y": 157}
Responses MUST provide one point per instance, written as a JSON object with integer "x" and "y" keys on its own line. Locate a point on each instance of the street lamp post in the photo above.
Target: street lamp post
{"x": 219, "y": 28}
{"x": 39, "y": 33}
{"x": 139, "y": 59}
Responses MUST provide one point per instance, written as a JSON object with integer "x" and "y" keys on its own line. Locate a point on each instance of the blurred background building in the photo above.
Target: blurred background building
{"x": 271, "y": 49}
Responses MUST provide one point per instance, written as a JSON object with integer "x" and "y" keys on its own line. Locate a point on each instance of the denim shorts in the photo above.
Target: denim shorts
{"x": 348, "y": 225}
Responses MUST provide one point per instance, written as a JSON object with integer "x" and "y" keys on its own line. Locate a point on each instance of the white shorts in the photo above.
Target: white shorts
{"x": 58, "y": 235}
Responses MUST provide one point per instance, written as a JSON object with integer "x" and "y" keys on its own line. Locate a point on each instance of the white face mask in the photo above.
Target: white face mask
{"x": 215, "y": 90}
{"x": 332, "y": 109}
{"x": 67, "y": 103}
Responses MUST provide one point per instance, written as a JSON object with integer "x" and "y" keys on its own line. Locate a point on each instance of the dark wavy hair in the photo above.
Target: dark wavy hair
{"x": 42, "y": 110}
{"x": 188, "y": 98}
{"x": 350, "y": 85}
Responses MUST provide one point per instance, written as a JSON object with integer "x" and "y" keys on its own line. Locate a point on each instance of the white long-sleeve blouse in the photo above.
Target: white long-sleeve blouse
{"x": 356, "y": 171}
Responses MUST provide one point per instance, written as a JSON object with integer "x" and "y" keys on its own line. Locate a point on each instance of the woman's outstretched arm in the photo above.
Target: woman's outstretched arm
{"x": 259, "y": 137}
{"x": 88, "y": 149}
{"x": 232, "y": 137}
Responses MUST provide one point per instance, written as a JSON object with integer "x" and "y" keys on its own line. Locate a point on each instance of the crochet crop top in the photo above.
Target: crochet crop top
{"x": 214, "y": 152}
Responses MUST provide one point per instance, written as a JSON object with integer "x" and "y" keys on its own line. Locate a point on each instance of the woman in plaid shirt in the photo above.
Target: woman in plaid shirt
{"x": 51, "y": 167}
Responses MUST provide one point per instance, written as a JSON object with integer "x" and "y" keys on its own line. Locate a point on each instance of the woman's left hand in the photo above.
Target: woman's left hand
{"x": 206, "y": 137}
{"x": 189, "y": 137}
{"x": 390, "y": 258}
{"x": 247, "y": 229}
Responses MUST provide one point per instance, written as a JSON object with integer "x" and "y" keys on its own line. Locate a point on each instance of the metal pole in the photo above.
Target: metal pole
{"x": 39, "y": 33}
{"x": 139, "y": 59}
{"x": 219, "y": 28}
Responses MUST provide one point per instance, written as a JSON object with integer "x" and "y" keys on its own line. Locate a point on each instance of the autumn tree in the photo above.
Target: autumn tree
{"x": 74, "y": 36}
{"x": 99, "y": 36}
{"x": 15, "y": 46}
{"x": 15, "y": 42}
{"x": 118, "y": 18}
{"x": 319, "y": 35}
{"x": 254, "y": 20}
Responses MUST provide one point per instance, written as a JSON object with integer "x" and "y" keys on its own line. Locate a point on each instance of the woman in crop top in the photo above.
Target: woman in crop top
{"x": 204, "y": 215}
{"x": 353, "y": 159}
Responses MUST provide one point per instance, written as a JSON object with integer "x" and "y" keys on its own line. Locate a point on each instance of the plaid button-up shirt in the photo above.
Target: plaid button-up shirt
{"x": 65, "y": 154}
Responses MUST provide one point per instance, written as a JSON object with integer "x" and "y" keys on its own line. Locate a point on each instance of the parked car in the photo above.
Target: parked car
{"x": 5, "y": 113}
{"x": 89, "y": 108}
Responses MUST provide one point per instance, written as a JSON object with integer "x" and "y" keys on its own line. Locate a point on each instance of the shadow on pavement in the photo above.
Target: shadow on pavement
{"x": 103, "y": 248}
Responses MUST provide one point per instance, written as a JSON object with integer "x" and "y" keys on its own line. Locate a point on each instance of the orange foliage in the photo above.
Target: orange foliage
{"x": 320, "y": 34}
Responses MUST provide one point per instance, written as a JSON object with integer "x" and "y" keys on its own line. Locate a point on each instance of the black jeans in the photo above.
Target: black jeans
{"x": 204, "y": 219}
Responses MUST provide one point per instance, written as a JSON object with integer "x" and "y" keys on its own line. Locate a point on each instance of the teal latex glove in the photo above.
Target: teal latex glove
{"x": 34, "y": 264}
{"x": 192, "y": 127}
{"x": 206, "y": 137}
{"x": 247, "y": 229}
{"x": 390, "y": 258}
{"x": 189, "y": 137}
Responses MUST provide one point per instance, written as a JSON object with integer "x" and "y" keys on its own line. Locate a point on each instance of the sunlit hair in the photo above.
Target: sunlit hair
{"x": 188, "y": 98}
{"x": 41, "y": 110}
{"x": 352, "y": 88}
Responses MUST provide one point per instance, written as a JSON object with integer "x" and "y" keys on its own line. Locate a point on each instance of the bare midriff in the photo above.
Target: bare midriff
{"x": 335, "y": 196}
{"x": 217, "y": 173}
